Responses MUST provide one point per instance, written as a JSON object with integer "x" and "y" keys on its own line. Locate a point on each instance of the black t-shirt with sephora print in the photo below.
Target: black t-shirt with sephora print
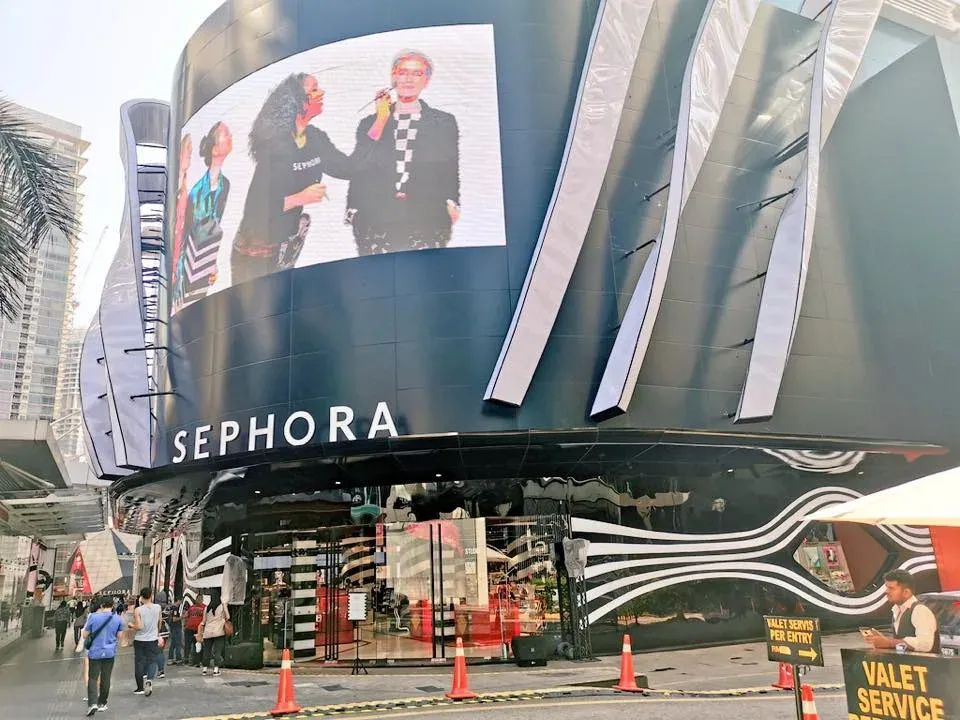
{"x": 287, "y": 170}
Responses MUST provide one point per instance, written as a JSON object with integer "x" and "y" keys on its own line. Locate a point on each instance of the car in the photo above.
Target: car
{"x": 946, "y": 606}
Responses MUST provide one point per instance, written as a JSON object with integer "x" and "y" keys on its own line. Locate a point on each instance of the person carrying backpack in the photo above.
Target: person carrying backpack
{"x": 61, "y": 619}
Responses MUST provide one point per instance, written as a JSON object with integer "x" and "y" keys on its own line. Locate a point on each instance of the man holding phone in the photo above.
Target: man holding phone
{"x": 914, "y": 624}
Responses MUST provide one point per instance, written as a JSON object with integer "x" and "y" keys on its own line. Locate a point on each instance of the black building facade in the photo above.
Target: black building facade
{"x": 329, "y": 421}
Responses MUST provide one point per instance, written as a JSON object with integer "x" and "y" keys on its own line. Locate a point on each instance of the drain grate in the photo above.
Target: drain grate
{"x": 429, "y": 688}
{"x": 663, "y": 669}
{"x": 247, "y": 683}
{"x": 333, "y": 688}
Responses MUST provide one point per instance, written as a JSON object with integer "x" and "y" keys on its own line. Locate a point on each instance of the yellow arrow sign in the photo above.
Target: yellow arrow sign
{"x": 811, "y": 654}
{"x": 780, "y": 649}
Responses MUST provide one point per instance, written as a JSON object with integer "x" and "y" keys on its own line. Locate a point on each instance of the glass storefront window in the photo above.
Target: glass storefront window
{"x": 485, "y": 580}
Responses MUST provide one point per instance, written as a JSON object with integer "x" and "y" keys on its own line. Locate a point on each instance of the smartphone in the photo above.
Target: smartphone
{"x": 865, "y": 631}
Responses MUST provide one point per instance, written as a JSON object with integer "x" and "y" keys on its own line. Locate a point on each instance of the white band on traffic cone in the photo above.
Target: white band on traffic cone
{"x": 626, "y": 645}
{"x": 286, "y": 665}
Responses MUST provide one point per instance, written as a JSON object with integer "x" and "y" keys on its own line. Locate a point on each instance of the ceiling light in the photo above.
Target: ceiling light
{"x": 256, "y": 492}
{"x": 439, "y": 474}
{"x": 729, "y": 470}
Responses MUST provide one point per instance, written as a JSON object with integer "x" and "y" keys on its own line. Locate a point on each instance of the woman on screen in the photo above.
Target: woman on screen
{"x": 186, "y": 151}
{"x": 197, "y": 269}
{"x": 291, "y": 157}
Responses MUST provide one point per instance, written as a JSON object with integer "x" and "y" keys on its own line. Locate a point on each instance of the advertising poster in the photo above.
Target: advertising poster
{"x": 377, "y": 144}
{"x": 888, "y": 686}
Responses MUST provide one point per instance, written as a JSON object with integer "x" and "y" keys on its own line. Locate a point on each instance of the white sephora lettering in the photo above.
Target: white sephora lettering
{"x": 298, "y": 428}
{"x": 306, "y": 165}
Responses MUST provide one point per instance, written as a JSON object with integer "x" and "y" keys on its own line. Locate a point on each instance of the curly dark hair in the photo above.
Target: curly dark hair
{"x": 278, "y": 115}
{"x": 207, "y": 143}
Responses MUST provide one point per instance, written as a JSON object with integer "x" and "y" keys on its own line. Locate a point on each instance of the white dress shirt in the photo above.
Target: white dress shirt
{"x": 924, "y": 623}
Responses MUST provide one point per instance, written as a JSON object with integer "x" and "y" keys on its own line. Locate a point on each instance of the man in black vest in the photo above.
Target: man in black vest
{"x": 914, "y": 624}
{"x": 406, "y": 194}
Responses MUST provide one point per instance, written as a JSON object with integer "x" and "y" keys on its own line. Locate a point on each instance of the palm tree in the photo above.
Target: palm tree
{"x": 35, "y": 201}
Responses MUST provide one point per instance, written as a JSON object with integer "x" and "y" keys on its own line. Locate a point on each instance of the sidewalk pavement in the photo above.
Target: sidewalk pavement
{"x": 40, "y": 683}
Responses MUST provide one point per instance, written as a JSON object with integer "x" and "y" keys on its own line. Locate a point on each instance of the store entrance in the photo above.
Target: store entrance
{"x": 485, "y": 580}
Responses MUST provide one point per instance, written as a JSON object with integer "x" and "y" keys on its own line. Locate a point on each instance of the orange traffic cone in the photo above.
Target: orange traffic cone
{"x": 461, "y": 685}
{"x": 286, "y": 700}
{"x": 808, "y": 706}
{"x": 785, "y": 679}
{"x": 628, "y": 681}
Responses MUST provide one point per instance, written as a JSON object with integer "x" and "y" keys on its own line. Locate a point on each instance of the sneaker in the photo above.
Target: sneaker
{"x": 148, "y": 687}
{"x": 92, "y": 710}
{"x": 138, "y": 692}
{"x": 161, "y": 675}
{"x": 216, "y": 671}
{"x": 102, "y": 708}
{"x": 203, "y": 671}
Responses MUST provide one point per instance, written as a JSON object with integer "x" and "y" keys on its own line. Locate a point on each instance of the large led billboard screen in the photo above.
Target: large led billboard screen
{"x": 375, "y": 144}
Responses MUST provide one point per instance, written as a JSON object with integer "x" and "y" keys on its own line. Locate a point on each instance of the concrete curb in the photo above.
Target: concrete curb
{"x": 435, "y": 701}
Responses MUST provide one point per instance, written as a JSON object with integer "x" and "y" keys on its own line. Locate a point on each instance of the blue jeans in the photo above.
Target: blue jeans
{"x": 144, "y": 661}
{"x": 176, "y": 644}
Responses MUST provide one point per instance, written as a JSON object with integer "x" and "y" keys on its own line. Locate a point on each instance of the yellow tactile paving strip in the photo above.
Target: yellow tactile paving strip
{"x": 433, "y": 701}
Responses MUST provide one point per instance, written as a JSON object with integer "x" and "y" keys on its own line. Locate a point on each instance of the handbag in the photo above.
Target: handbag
{"x": 227, "y": 623}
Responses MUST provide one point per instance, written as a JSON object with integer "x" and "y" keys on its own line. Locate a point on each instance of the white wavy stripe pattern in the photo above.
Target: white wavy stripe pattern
{"x": 213, "y": 558}
{"x": 831, "y": 462}
{"x": 747, "y": 545}
{"x": 770, "y": 568}
{"x": 781, "y": 536}
{"x": 581, "y": 525}
{"x": 740, "y": 575}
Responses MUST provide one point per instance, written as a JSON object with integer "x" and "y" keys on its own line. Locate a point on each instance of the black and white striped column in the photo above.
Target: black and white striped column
{"x": 303, "y": 581}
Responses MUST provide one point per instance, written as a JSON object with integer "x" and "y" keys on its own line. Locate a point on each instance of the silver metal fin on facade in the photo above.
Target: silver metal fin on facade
{"x": 610, "y": 60}
{"x": 814, "y": 8}
{"x": 127, "y": 311}
{"x": 706, "y": 82}
{"x": 846, "y": 31}
{"x": 94, "y": 408}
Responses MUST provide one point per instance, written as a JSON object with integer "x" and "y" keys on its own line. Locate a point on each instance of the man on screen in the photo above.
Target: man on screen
{"x": 407, "y": 195}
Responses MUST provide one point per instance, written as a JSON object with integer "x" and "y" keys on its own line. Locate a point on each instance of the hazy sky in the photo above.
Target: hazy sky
{"x": 80, "y": 60}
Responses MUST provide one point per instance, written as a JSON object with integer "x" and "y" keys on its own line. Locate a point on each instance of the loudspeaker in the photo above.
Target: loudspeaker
{"x": 530, "y": 650}
{"x": 244, "y": 656}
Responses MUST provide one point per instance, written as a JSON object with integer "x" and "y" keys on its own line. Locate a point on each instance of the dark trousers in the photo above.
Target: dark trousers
{"x": 192, "y": 656}
{"x": 213, "y": 651}
{"x": 176, "y": 644}
{"x": 76, "y": 634}
{"x": 144, "y": 660}
{"x": 61, "y": 633}
{"x": 98, "y": 681}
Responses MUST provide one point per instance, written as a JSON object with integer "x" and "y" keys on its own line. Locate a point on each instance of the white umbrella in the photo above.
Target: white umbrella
{"x": 931, "y": 500}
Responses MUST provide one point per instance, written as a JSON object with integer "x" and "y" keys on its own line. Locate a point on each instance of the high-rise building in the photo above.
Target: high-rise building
{"x": 30, "y": 345}
{"x": 69, "y": 420}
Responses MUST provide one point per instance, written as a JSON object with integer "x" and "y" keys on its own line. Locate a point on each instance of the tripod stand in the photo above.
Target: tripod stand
{"x": 357, "y": 665}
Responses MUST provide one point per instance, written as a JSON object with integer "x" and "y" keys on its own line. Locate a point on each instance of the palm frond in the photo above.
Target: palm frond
{"x": 36, "y": 199}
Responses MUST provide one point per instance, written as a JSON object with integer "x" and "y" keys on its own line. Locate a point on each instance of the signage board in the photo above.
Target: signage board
{"x": 793, "y": 640}
{"x": 357, "y": 606}
{"x": 890, "y": 686}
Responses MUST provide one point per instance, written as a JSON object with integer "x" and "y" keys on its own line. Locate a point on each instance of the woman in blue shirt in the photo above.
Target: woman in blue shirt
{"x": 196, "y": 267}
{"x": 101, "y": 633}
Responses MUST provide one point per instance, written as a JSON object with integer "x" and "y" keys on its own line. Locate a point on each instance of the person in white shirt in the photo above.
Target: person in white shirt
{"x": 914, "y": 624}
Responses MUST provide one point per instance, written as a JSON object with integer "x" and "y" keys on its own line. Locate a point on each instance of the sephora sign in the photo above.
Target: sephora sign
{"x": 264, "y": 432}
